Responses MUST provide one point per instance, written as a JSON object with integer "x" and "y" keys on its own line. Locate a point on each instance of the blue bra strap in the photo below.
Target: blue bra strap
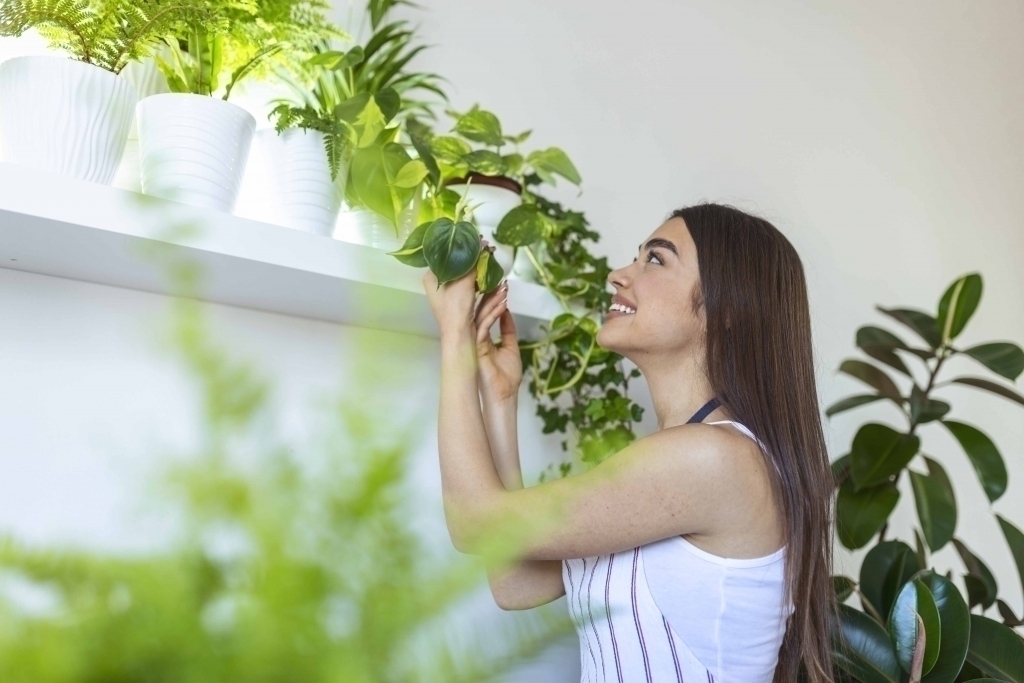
{"x": 705, "y": 410}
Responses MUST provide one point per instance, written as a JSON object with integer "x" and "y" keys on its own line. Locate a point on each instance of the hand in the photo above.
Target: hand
{"x": 500, "y": 367}
{"x": 452, "y": 304}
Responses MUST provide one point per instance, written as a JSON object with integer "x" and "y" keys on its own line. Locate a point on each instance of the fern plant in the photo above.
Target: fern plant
{"x": 105, "y": 33}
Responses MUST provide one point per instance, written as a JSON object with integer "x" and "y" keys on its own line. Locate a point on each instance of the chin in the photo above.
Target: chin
{"x": 606, "y": 339}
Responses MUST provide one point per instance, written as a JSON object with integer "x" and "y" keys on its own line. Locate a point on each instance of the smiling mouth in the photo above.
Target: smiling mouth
{"x": 618, "y": 309}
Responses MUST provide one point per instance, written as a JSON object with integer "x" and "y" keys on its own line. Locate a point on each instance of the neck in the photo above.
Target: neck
{"x": 679, "y": 388}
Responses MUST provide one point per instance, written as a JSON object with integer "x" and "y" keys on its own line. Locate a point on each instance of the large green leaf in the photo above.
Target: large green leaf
{"x": 411, "y": 253}
{"x": 843, "y": 587}
{"x": 553, "y": 160}
{"x": 864, "y": 650}
{"x": 523, "y": 225}
{"x": 923, "y": 324}
{"x": 982, "y": 588}
{"x": 1002, "y": 358}
{"x": 1014, "y": 539}
{"x": 915, "y": 600}
{"x": 878, "y": 452}
{"x": 860, "y": 514}
{"x": 881, "y": 344}
{"x": 451, "y": 249}
{"x": 885, "y": 569}
{"x": 480, "y": 125}
{"x": 923, "y": 409}
{"x": 373, "y": 173}
{"x": 873, "y": 377}
{"x": 485, "y": 161}
{"x": 852, "y": 402}
{"x": 984, "y": 455}
{"x": 936, "y": 509}
{"x": 958, "y": 305}
{"x": 996, "y": 650}
{"x": 956, "y": 627}
{"x": 979, "y": 383}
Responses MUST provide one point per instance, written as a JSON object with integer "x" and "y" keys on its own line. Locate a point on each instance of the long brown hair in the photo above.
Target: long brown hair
{"x": 759, "y": 362}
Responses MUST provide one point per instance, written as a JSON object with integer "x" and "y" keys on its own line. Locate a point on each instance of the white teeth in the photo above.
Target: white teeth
{"x": 619, "y": 307}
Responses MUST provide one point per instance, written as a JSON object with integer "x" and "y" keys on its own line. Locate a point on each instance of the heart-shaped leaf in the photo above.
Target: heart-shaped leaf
{"x": 958, "y": 305}
{"x": 485, "y": 161}
{"x": 923, "y": 324}
{"x": 451, "y": 249}
{"x": 860, "y": 514}
{"x": 984, "y": 455}
{"x": 996, "y": 650}
{"x": 449, "y": 149}
{"x": 521, "y": 226}
{"x": 411, "y": 253}
{"x": 480, "y": 125}
{"x": 373, "y": 173}
{"x": 1002, "y": 358}
{"x": 872, "y": 376}
{"x": 863, "y": 649}
{"x": 956, "y": 628}
{"x": 553, "y": 160}
{"x": 878, "y": 452}
{"x": 852, "y": 402}
{"x": 936, "y": 509}
{"x": 915, "y": 600}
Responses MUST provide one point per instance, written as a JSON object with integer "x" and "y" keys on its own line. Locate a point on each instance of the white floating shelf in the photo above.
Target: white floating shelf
{"x": 56, "y": 225}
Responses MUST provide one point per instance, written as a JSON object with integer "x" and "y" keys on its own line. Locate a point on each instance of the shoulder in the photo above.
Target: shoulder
{"x": 716, "y": 449}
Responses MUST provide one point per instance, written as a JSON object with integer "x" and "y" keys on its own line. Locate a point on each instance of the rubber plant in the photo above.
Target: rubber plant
{"x": 913, "y": 623}
{"x": 109, "y": 34}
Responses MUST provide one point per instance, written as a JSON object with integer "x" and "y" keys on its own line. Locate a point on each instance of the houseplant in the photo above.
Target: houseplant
{"x": 193, "y": 144}
{"x": 318, "y": 128}
{"x": 914, "y": 624}
{"x": 72, "y": 116}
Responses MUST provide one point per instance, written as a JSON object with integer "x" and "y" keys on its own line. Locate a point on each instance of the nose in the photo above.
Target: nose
{"x": 618, "y": 278}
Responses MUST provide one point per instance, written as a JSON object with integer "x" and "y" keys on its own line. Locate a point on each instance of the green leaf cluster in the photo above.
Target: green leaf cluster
{"x": 916, "y": 625}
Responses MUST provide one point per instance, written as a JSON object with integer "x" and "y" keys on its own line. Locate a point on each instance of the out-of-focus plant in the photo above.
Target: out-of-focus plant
{"x": 914, "y": 624}
{"x": 283, "y": 568}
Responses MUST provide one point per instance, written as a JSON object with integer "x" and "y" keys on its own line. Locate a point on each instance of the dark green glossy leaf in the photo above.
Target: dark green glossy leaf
{"x": 936, "y": 509}
{"x": 1002, "y": 358}
{"x": 1014, "y": 539}
{"x": 996, "y": 650}
{"x": 1009, "y": 618}
{"x": 921, "y": 323}
{"x": 888, "y": 558}
{"x": 881, "y": 344}
{"x": 982, "y": 588}
{"x": 915, "y": 600}
{"x": 852, "y": 402}
{"x": 923, "y": 410}
{"x": 843, "y": 587}
{"x": 937, "y": 472}
{"x": 873, "y": 377}
{"x": 864, "y": 650}
{"x": 488, "y": 272}
{"x": 389, "y": 102}
{"x": 984, "y": 455}
{"x": 480, "y": 125}
{"x": 879, "y": 452}
{"x": 956, "y": 628}
{"x": 841, "y": 469}
{"x": 411, "y": 253}
{"x": 860, "y": 514}
{"x": 958, "y": 305}
{"x": 521, "y": 226}
{"x": 427, "y": 157}
{"x": 979, "y": 383}
{"x": 451, "y": 249}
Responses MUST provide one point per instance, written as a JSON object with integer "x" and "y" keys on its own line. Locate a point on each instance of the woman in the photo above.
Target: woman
{"x": 701, "y": 552}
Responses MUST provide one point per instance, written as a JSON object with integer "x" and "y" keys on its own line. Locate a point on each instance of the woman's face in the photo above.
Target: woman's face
{"x": 659, "y": 285}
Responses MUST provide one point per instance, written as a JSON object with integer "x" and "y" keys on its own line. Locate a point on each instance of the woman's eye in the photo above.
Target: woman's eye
{"x": 651, "y": 255}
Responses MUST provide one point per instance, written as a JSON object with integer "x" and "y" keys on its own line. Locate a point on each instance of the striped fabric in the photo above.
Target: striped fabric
{"x": 624, "y": 638}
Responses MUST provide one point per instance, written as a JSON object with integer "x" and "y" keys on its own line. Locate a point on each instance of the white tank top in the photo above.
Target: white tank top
{"x": 669, "y": 611}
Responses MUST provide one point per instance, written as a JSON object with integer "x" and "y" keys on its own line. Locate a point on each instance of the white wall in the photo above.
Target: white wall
{"x": 882, "y": 137}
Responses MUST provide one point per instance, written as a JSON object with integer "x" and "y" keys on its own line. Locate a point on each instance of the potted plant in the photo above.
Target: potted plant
{"x": 72, "y": 116}
{"x": 353, "y": 95}
{"x": 913, "y": 623}
{"x": 194, "y": 145}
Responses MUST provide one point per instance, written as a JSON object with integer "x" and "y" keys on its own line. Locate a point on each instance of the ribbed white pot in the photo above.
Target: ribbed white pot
{"x": 494, "y": 202}
{"x": 64, "y": 116}
{"x": 366, "y": 227}
{"x": 307, "y": 198}
{"x": 193, "y": 148}
{"x": 148, "y": 80}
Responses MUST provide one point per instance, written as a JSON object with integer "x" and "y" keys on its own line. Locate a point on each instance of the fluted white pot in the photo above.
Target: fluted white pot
{"x": 65, "y": 116}
{"x": 494, "y": 202}
{"x": 148, "y": 80}
{"x": 194, "y": 148}
{"x": 307, "y": 199}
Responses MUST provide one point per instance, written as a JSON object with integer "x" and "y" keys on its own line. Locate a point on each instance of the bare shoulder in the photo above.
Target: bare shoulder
{"x": 716, "y": 449}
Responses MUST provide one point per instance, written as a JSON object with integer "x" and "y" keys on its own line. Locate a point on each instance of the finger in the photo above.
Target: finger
{"x": 485, "y": 323}
{"x": 509, "y": 338}
{"x": 490, "y": 298}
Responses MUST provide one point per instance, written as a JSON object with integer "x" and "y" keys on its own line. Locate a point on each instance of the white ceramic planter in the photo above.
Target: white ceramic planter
{"x": 148, "y": 80}
{"x": 494, "y": 202}
{"x": 193, "y": 148}
{"x": 307, "y": 199}
{"x": 366, "y": 227}
{"x": 64, "y": 116}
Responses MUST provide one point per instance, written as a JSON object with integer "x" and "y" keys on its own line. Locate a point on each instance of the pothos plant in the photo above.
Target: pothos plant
{"x": 109, "y": 34}
{"x": 913, "y": 623}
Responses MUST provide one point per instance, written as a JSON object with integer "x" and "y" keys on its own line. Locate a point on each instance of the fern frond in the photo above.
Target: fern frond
{"x": 69, "y": 25}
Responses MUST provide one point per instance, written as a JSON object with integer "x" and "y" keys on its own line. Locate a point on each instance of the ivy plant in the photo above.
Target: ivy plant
{"x": 913, "y": 623}
{"x": 105, "y": 33}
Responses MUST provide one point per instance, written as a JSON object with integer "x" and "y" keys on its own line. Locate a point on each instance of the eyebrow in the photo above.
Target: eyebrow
{"x": 659, "y": 242}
